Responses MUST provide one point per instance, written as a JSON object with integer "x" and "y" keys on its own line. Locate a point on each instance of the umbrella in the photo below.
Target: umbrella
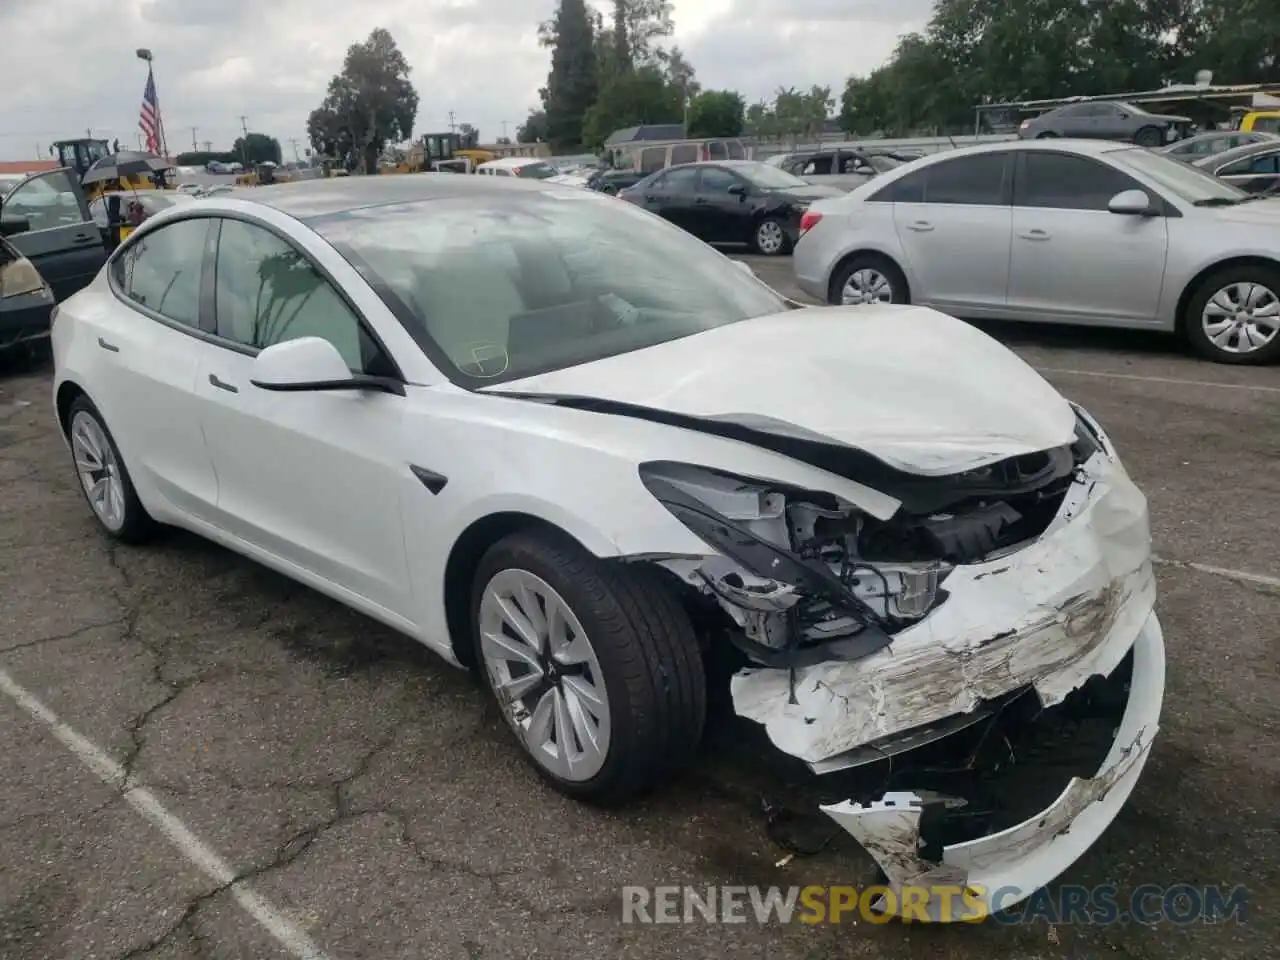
{"x": 127, "y": 163}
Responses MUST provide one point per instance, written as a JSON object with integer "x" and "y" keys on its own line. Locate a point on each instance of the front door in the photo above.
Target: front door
{"x": 306, "y": 476}
{"x": 671, "y": 196}
{"x": 62, "y": 240}
{"x": 724, "y": 217}
{"x": 1072, "y": 259}
{"x": 953, "y": 220}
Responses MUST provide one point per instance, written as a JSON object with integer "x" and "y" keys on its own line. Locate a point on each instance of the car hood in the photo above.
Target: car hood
{"x": 917, "y": 389}
{"x": 1264, "y": 212}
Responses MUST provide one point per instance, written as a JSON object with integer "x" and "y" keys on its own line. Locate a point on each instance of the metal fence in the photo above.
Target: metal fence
{"x": 763, "y": 149}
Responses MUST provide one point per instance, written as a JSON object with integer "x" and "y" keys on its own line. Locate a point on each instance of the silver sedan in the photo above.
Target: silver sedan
{"x": 1061, "y": 231}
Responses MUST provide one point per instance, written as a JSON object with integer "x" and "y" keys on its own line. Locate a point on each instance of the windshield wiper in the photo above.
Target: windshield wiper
{"x": 1217, "y": 202}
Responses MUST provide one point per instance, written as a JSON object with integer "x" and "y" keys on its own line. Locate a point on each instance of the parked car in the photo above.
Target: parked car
{"x": 60, "y": 239}
{"x": 733, "y": 201}
{"x": 1215, "y": 142}
{"x": 1254, "y": 167}
{"x": 613, "y": 182}
{"x": 26, "y": 302}
{"x": 1107, "y": 120}
{"x": 840, "y": 167}
{"x": 1064, "y": 231}
{"x": 591, "y": 457}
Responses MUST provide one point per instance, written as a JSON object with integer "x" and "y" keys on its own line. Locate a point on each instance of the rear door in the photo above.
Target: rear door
{"x": 63, "y": 242}
{"x": 954, "y": 222}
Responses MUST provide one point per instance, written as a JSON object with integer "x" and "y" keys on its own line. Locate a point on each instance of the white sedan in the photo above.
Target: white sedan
{"x": 554, "y": 438}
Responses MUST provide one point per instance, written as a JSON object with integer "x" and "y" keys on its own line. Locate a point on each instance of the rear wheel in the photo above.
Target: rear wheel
{"x": 1234, "y": 315}
{"x": 1148, "y": 137}
{"x": 1048, "y": 134}
{"x": 868, "y": 279}
{"x": 595, "y": 667}
{"x": 103, "y": 476}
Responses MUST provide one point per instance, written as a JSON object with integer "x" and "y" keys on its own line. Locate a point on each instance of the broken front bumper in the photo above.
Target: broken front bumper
{"x": 1067, "y": 607}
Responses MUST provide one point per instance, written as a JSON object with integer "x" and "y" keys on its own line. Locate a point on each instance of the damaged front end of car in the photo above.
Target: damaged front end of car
{"x": 988, "y": 600}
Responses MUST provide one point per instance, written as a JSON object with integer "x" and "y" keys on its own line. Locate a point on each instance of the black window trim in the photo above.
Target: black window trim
{"x": 1163, "y": 207}
{"x": 206, "y": 330}
{"x": 1006, "y": 182}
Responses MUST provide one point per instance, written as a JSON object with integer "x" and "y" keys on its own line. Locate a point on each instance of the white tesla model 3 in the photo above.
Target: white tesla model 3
{"x": 555, "y": 438}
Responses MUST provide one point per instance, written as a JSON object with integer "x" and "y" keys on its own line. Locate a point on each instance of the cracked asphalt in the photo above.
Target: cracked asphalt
{"x": 367, "y": 791}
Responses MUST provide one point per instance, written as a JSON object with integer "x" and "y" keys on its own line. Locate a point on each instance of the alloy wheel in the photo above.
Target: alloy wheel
{"x": 769, "y": 237}
{"x": 866, "y": 286}
{"x": 1241, "y": 317}
{"x": 545, "y": 674}
{"x": 99, "y": 470}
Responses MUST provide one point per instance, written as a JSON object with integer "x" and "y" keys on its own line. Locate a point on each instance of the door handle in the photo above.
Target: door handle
{"x": 920, "y": 226}
{"x": 108, "y": 346}
{"x": 701, "y": 200}
{"x": 86, "y": 238}
{"x": 222, "y": 384}
{"x": 1035, "y": 235}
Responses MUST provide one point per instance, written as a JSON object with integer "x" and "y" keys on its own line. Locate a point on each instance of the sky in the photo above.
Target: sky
{"x": 221, "y": 65}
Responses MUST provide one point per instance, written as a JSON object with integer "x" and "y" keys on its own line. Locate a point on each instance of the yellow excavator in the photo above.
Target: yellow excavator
{"x": 443, "y": 152}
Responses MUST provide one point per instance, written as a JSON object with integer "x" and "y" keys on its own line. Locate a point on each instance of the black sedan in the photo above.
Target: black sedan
{"x": 1254, "y": 167}
{"x": 26, "y": 302}
{"x": 731, "y": 201}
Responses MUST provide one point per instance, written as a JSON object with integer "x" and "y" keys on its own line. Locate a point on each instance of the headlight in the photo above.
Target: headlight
{"x": 18, "y": 277}
{"x": 793, "y": 572}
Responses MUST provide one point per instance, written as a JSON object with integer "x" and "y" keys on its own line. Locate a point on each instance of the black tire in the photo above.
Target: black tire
{"x": 899, "y": 292}
{"x": 1048, "y": 134}
{"x": 1149, "y": 137}
{"x": 1193, "y": 330}
{"x": 138, "y": 525}
{"x": 777, "y": 224}
{"x": 648, "y": 653}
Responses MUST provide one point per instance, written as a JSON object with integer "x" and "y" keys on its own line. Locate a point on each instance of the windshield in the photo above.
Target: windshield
{"x": 768, "y": 178}
{"x": 1187, "y": 182}
{"x": 495, "y": 288}
{"x": 535, "y": 171}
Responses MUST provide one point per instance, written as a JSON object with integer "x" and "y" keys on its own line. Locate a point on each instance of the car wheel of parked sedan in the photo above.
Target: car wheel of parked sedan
{"x": 595, "y": 666}
{"x": 770, "y": 238}
{"x": 1148, "y": 137}
{"x": 1234, "y": 316}
{"x": 1046, "y": 135}
{"x": 868, "y": 279}
{"x": 104, "y": 477}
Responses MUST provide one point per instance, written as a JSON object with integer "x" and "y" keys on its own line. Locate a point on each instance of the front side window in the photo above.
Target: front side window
{"x": 1067, "y": 182}
{"x": 161, "y": 270}
{"x": 47, "y": 201}
{"x": 678, "y": 181}
{"x": 501, "y": 288}
{"x": 1251, "y": 165}
{"x": 267, "y": 292}
{"x": 716, "y": 180}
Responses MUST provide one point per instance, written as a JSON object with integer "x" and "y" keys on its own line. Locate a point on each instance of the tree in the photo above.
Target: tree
{"x": 573, "y": 82}
{"x": 369, "y": 104}
{"x": 716, "y": 113}
{"x": 256, "y": 148}
{"x": 642, "y": 95}
{"x": 534, "y": 128}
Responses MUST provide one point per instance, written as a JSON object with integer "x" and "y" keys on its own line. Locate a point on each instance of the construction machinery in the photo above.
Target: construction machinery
{"x": 81, "y": 154}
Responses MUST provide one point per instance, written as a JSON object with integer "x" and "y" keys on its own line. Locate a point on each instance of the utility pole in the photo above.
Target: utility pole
{"x": 244, "y": 143}
{"x": 504, "y": 129}
{"x": 452, "y": 125}
{"x": 194, "y": 146}
{"x": 88, "y": 133}
{"x": 294, "y": 142}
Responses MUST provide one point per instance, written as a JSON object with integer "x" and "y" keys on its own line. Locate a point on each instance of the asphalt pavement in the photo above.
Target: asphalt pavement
{"x": 202, "y": 759}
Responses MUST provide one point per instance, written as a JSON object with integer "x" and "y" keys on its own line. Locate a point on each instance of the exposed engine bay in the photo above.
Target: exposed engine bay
{"x": 807, "y": 577}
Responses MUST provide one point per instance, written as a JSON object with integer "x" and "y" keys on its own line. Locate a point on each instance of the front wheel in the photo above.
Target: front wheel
{"x": 103, "y": 476}
{"x": 868, "y": 279}
{"x": 1148, "y": 137}
{"x": 595, "y": 667}
{"x": 1234, "y": 316}
{"x": 770, "y": 238}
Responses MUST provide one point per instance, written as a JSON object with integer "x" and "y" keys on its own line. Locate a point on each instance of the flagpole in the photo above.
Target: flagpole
{"x": 164, "y": 144}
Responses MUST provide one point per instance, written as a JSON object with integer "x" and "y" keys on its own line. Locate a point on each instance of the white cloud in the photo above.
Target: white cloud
{"x": 70, "y": 64}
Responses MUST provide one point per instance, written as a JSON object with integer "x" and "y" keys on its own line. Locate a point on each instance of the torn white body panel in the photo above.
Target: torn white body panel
{"x": 1050, "y": 614}
{"x": 1006, "y": 867}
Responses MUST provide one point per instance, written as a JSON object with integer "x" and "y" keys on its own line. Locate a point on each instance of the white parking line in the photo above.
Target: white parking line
{"x": 189, "y": 845}
{"x": 1133, "y": 376}
{"x": 1244, "y": 576}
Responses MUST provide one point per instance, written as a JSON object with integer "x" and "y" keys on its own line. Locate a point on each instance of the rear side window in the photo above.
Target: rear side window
{"x": 717, "y": 150}
{"x": 162, "y": 270}
{"x": 1066, "y": 182}
{"x": 967, "y": 180}
{"x": 684, "y": 153}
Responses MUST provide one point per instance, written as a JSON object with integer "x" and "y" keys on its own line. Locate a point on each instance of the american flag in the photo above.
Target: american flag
{"x": 149, "y": 120}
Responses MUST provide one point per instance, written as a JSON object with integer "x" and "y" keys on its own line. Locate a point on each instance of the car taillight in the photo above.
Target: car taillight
{"x": 808, "y": 220}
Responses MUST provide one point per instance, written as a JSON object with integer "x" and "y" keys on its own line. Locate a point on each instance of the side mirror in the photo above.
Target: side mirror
{"x": 311, "y": 364}
{"x": 738, "y": 190}
{"x": 12, "y": 226}
{"x": 1131, "y": 203}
